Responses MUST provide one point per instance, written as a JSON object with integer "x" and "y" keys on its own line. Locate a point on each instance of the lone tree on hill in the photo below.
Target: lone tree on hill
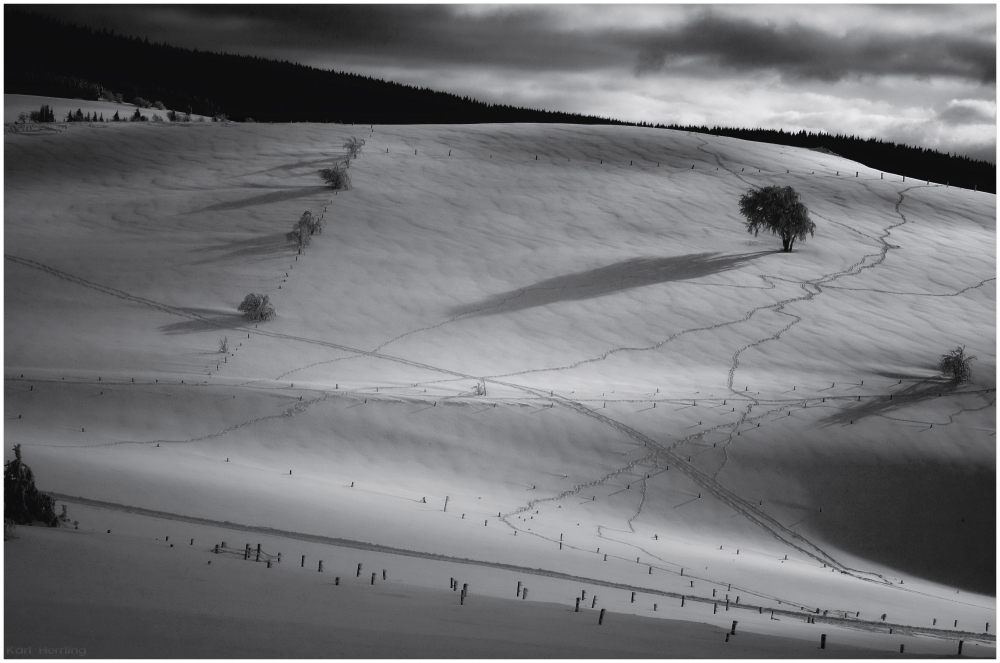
{"x": 257, "y": 307}
{"x": 23, "y": 503}
{"x": 778, "y": 210}
{"x": 957, "y": 366}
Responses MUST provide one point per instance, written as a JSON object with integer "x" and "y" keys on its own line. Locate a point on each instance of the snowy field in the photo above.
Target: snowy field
{"x": 673, "y": 407}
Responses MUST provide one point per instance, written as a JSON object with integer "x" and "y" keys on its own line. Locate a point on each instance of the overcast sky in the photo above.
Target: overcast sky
{"x": 917, "y": 74}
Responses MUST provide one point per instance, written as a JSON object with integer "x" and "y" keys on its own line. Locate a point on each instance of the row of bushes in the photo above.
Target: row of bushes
{"x": 337, "y": 177}
{"x": 258, "y": 308}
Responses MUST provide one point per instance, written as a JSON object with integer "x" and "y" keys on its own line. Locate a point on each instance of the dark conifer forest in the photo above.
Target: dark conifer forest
{"x": 50, "y": 58}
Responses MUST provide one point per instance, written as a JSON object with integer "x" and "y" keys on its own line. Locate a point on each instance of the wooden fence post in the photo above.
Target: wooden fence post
{"x": 600, "y": 620}
{"x": 822, "y": 641}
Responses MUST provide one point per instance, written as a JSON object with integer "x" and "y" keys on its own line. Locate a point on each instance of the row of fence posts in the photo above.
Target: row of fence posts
{"x": 522, "y": 593}
{"x": 453, "y": 585}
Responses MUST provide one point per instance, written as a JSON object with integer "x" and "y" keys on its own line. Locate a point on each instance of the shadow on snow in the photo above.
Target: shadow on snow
{"x": 621, "y": 276}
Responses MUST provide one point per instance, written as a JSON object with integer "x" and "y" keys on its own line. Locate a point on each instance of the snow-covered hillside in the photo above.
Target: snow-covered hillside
{"x": 671, "y": 403}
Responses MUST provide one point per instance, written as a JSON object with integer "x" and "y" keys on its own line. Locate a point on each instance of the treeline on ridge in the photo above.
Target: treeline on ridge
{"x": 914, "y": 162}
{"x": 60, "y": 60}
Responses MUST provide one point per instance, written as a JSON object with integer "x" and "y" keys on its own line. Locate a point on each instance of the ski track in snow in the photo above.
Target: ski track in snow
{"x": 707, "y": 482}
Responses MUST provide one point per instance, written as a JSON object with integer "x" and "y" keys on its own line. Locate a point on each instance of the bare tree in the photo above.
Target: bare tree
{"x": 353, "y": 147}
{"x": 224, "y": 345}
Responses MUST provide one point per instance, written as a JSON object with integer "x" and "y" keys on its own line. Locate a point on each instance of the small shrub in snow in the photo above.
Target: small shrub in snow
{"x": 139, "y": 102}
{"x": 336, "y": 177}
{"x": 156, "y": 118}
{"x": 224, "y": 345}
{"x": 957, "y": 365}
{"x": 172, "y": 116}
{"x": 778, "y": 210}
{"x": 257, "y": 307}
{"x": 158, "y": 105}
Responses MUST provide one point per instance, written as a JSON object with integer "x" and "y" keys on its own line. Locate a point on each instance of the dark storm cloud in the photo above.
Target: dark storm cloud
{"x": 543, "y": 38}
{"x": 798, "y": 51}
{"x": 967, "y": 113}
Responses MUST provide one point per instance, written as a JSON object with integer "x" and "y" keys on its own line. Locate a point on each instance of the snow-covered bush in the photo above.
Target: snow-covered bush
{"x": 336, "y": 177}
{"x": 257, "y": 307}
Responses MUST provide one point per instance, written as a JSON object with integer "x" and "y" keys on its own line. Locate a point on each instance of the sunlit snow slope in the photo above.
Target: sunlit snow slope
{"x": 660, "y": 385}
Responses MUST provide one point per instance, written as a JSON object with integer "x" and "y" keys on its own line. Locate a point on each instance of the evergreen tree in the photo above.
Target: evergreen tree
{"x": 79, "y": 115}
{"x": 23, "y": 502}
{"x": 116, "y": 118}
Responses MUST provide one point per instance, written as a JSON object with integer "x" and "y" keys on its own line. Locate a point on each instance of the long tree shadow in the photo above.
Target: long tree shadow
{"x": 925, "y": 390}
{"x": 267, "y": 245}
{"x": 264, "y": 199}
{"x": 208, "y": 319}
{"x": 621, "y": 276}
{"x": 311, "y": 164}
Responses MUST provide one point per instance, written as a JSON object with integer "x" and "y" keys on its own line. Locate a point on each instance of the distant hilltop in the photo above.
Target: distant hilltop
{"x": 55, "y": 59}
